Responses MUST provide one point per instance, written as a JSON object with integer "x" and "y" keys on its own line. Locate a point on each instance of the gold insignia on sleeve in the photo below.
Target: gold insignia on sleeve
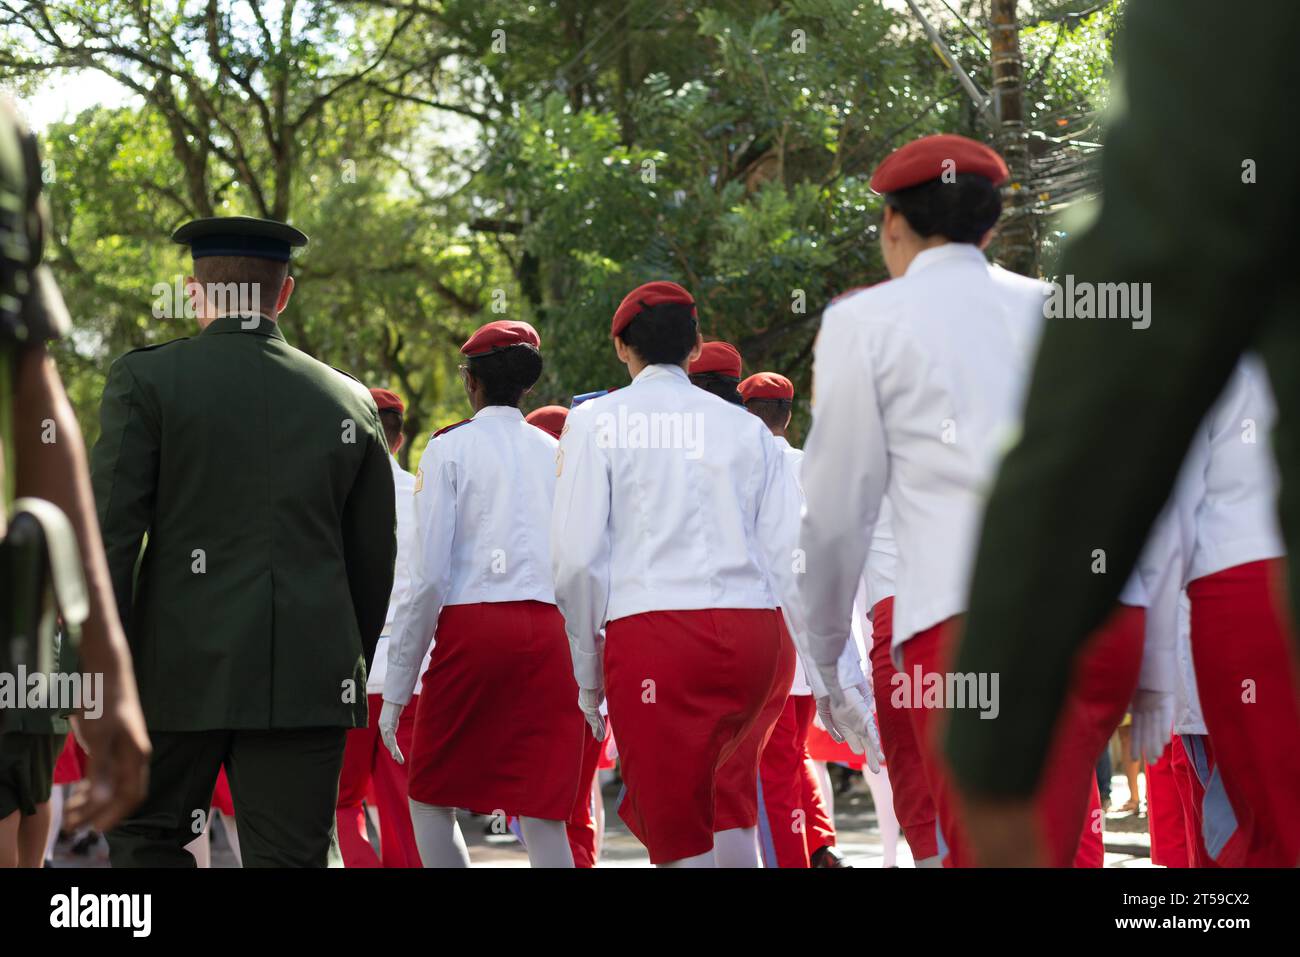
{"x": 559, "y": 462}
{"x": 419, "y": 479}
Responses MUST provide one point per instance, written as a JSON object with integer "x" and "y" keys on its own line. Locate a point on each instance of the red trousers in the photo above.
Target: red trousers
{"x": 685, "y": 688}
{"x": 1246, "y": 673}
{"x": 1191, "y": 796}
{"x": 581, "y": 826}
{"x": 368, "y": 767}
{"x": 1069, "y": 812}
{"x": 912, "y": 804}
{"x": 1165, "y": 822}
{"x": 793, "y": 820}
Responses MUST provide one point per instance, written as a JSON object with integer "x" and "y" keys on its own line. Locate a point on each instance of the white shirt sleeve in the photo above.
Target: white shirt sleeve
{"x": 430, "y": 574}
{"x": 1160, "y": 566}
{"x": 580, "y": 545}
{"x": 845, "y": 473}
{"x": 777, "y": 528}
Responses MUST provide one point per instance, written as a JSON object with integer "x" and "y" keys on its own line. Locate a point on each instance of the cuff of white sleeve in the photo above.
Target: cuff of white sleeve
{"x": 588, "y": 666}
{"x": 826, "y": 649}
{"x": 850, "y": 672}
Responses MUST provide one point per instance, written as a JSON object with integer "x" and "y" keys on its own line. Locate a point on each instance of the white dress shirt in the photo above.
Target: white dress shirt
{"x": 882, "y": 559}
{"x": 1225, "y": 501}
{"x": 1232, "y": 488}
{"x": 1158, "y": 575}
{"x": 404, "y": 489}
{"x": 668, "y": 499}
{"x": 918, "y": 387}
{"x": 482, "y": 504}
{"x": 1187, "y": 700}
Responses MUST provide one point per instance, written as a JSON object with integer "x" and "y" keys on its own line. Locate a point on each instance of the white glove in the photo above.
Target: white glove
{"x": 826, "y": 719}
{"x": 589, "y": 700}
{"x": 858, "y": 725}
{"x": 1153, "y": 719}
{"x": 388, "y": 718}
{"x": 846, "y": 713}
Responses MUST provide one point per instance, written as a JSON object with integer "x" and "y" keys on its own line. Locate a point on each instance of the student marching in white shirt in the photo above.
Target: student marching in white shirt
{"x": 913, "y": 806}
{"x": 796, "y": 822}
{"x": 366, "y": 762}
{"x": 496, "y": 731}
{"x": 586, "y": 826}
{"x": 1241, "y": 639}
{"x": 668, "y": 533}
{"x": 918, "y": 385}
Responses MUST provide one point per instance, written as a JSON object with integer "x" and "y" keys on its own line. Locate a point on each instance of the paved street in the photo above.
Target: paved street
{"x": 1127, "y": 844}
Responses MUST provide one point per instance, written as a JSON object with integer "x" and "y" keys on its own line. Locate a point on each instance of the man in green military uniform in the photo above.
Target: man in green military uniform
{"x": 43, "y": 456}
{"x": 261, "y": 479}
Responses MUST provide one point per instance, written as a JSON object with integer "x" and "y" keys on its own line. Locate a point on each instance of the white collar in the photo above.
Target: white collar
{"x": 662, "y": 369}
{"x": 938, "y": 254}
{"x": 498, "y": 412}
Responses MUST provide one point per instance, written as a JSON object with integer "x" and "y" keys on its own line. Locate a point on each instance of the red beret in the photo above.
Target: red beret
{"x": 388, "y": 401}
{"x": 717, "y": 357}
{"x": 766, "y": 385}
{"x": 549, "y": 418}
{"x": 923, "y": 160}
{"x": 499, "y": 335}
{"x": 642, "y": 297}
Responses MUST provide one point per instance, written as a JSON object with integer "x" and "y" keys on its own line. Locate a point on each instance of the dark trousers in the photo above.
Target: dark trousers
{"x": 284, "y": 784}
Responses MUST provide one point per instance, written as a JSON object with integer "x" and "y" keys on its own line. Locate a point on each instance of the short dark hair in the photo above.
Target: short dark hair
{"x": 248, "y": 272}
{"x": 723, "y": 386}
{"x": 775, "y": 413}
{"x": 391, "y": 420}
{"x": 507, "y": 373}
{"x": 664, "y": 333}
{"x": 961, "y": 211}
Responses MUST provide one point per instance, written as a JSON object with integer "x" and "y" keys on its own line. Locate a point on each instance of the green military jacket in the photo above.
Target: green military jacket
{"x": 260, "y": 478}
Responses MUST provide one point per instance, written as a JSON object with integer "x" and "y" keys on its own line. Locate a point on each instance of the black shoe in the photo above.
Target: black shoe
{"x": 828, "y": 856}
{"x": 86, "y": 844}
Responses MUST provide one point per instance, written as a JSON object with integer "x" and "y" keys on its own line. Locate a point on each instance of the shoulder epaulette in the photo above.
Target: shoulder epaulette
{"x": 347, "y": 373}
{"x": 448, "y": 428}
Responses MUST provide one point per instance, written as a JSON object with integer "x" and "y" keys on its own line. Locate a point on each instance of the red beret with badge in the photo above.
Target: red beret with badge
{"x": 501, "y": 334}
{"x": 766, "y": 385}
{"x": 657, "y": 293}
{"x": 719, "y": 357}
{"x": 928, "y": 158}
{"x": 387, "y": 401}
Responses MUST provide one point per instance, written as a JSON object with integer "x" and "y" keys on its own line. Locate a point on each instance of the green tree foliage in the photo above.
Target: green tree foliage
{"x": 467, "y": 160}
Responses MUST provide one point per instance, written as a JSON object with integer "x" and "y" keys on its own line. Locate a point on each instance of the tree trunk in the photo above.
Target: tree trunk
{"x": 1017, "y": 246}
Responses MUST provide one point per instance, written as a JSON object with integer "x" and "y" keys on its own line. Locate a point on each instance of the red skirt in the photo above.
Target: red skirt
{"x": 71, "y": 766}
{"x": 1165, "y": 812}
{"x": 1191, "y": 795}
{"x": 581, "y": 826}
{"x": 735, "y": 802}
{"x": 1246, "y": 675}
{"x": 684, "y": 689}
{"x": 498, "y": 728}
{"x": 794, "y": 820}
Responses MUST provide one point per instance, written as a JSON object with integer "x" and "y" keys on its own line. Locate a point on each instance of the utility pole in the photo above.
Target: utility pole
{"x": 1017, "y": 244}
